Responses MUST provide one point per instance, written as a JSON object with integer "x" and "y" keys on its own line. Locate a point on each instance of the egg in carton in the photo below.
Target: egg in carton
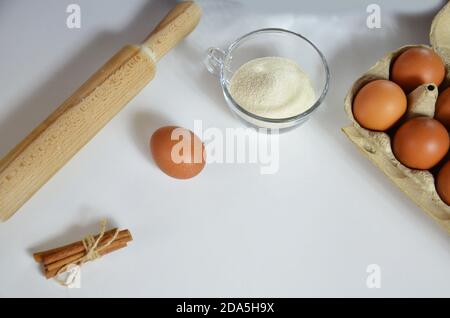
{"x": 419, "y": 185}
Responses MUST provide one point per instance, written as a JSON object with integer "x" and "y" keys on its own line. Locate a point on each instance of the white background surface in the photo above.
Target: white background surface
{"x": 309, "y": 230}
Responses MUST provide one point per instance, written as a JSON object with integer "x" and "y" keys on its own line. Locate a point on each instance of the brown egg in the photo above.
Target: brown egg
{"x": 178, "y": 152}
{"x": 443, "y": 183}
{"x": 417, "y": 66}
{"x": 420, "y": 143}
{"x": 379, "y": 105}
{"x": 443, "y": 108}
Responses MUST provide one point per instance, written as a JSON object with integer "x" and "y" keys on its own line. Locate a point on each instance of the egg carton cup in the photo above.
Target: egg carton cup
{"x": 419, "y": 185}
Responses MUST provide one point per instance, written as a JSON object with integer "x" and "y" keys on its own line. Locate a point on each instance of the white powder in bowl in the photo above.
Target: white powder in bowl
{"x": 272, "y": 87}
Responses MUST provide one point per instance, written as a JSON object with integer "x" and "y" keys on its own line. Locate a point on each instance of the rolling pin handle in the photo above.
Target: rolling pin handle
{"x": 173, "y": 28}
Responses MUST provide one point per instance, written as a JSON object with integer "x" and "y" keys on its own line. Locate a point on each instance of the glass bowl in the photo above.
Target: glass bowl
{"x": 268, "y": 43}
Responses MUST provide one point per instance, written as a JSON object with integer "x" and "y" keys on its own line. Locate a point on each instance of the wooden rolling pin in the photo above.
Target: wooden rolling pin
{"x": 48, "y": 147}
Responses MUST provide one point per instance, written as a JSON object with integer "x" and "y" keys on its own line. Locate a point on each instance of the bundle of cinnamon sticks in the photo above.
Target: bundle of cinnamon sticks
{"x": 55, "y": 259}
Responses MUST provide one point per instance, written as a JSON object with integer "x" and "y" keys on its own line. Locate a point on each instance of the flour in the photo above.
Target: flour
{"x": 272, "y": 87}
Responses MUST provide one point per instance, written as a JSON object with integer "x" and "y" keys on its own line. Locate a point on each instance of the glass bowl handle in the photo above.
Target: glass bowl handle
{"x": 214, "y": 60}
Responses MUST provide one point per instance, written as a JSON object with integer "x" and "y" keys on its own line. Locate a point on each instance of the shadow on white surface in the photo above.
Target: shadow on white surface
{"x": 144, "y": 124}
{"x": 203, "y": 81}
{"x": 352, "y": 57}
{"x": 36, "y": 106}
{"x": 72, "y": 234}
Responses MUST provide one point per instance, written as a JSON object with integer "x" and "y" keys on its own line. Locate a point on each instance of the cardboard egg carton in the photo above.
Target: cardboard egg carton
{"x": 419, "y": 185}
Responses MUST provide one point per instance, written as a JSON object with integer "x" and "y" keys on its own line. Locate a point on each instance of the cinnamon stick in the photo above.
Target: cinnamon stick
{"x": 116, "y": 245}
{"x": 79, "y": 248}
{"x": 55, "y": 259}
{"x": 55, "y": 255}
{"x": 72, "y": 258}
{"x": 38, "y": 257}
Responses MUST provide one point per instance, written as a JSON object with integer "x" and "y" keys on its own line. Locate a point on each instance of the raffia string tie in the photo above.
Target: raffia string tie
{"x": 92, "y": 252}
